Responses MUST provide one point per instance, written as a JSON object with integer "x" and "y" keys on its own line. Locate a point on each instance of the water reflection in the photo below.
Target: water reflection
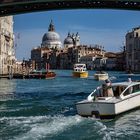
{"x": 7, "y": 89}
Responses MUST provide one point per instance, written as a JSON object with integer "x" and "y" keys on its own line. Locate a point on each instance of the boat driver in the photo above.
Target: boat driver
{"x": 107, "y": 89}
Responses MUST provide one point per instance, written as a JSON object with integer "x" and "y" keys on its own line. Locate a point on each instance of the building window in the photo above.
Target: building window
{"x": 137, "y": 34}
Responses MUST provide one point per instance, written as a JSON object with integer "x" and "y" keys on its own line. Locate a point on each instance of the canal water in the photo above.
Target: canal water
{"x": 45, "y": 110}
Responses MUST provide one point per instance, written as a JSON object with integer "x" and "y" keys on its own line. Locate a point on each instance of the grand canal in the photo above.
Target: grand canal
{"x": 45, "y": 110}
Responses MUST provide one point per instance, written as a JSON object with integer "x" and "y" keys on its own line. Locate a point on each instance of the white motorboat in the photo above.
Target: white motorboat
{"x": 101, "y": 75}
{"x": 107, "y": 101}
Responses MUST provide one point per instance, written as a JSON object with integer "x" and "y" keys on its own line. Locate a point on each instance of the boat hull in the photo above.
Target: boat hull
{"x": 101, "y": 76}
{"x": 96, "y": 109}
{"x": 48, "y": 75}
{"x": 102, "y": 110}
{"x": 80, "y": 74}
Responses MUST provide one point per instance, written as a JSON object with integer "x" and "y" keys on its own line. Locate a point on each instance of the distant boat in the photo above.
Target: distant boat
{"x": 110, "y": 99}
{"x": 80, "y": 71}
{"x": 101, "y": 75}
{"x": 42, "y": 74}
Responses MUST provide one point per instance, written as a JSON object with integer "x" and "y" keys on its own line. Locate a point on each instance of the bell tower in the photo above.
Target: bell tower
{"x": 51, "y": 27}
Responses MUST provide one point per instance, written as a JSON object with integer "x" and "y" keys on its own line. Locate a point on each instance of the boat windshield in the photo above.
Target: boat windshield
{"x": 132, "y": 89}
{"x": 117, "y": 90}
{"x": 97, "y": 92}
{"x": 113, "y": 91}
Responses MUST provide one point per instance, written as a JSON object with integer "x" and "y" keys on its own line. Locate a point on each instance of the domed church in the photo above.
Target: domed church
{"x": 51, "y": 39}
{"x": 72, "y": 40}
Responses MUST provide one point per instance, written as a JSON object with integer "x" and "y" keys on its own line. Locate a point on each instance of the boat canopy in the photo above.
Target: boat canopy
{"x": 79, "y": 65}
{"x": 101, "y": 72}
{"x": 115, "y": 90}
{"x": 125, "y": 83}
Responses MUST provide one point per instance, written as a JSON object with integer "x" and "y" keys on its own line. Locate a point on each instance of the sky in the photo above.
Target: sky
{"x": 104, "y": 27}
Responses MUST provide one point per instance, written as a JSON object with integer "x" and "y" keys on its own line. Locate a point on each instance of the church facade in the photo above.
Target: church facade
{"x": 58, "y": 55}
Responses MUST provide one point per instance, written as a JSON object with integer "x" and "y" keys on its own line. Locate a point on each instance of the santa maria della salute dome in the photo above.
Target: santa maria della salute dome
{"x": 51, "y": 39}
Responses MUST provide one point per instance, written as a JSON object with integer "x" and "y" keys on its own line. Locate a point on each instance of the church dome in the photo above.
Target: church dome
{"x": 50, "y": 36}
{"x": 51, "y": 39}
{"x": 68, "y": 40}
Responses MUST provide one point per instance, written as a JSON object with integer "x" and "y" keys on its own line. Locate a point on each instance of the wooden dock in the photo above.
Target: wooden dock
{"x": 14, "y": 76}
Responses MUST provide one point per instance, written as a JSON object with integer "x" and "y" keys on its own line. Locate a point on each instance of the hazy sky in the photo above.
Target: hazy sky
{"x": 103, "y": 27}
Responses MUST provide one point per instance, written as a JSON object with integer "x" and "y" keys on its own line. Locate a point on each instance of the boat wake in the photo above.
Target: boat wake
{"x": 38, "y": 127}
{"x": 65, "y": 127}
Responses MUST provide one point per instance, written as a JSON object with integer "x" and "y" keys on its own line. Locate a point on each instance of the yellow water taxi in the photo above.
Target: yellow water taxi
{"x": 80, "y": 71}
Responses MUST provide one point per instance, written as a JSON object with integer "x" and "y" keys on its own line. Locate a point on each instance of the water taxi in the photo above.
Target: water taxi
{"x": 80, "y": 71}
{"x": 42, "y": 74}
{"x": 101, "y": 75}
{"x": 110, "y": 99}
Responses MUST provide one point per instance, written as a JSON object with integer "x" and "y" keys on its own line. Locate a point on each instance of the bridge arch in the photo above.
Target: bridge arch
{"x": 11, "y": 7}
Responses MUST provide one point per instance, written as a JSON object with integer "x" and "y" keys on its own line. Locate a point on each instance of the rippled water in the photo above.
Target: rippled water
{"x": 45, "y": 110}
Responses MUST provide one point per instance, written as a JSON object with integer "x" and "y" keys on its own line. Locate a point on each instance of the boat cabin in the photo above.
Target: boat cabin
{"x": 118, "y": 90}
{"x": 80, "y": 67}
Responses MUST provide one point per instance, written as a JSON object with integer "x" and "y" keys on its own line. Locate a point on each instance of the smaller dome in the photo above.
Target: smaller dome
{"x": 68, "y": 40}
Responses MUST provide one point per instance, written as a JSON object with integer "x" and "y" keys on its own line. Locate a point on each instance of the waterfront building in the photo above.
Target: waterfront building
{"x": 77, "y": 54}
{"x": 39, "y": 55}
{"x": 88, "y": 60}
{"x": 62, "y": 60}
{"x": 121, "y": 61}
{"x": 52, "y": 52}
{"x": 49, "y": 49}
{"x": 111, "y": 61}
{"x": 91, "y": 60}
{"x": 7, "y": 54}
{"x": 100, "y": 63}
{"x": 133, "y": 50}
{"x": 91, "y": 54}
{"x": 18, "y": 67}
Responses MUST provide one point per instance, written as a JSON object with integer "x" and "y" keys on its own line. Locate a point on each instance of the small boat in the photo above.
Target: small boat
{"x": 110, "y": 99}
{"x": 42, "y": 74}
{"x": 101, "y": 75}
{"x": 80, "y": 71}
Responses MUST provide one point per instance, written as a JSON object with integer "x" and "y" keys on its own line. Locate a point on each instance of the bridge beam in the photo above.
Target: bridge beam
{"x": 26, "y": 7}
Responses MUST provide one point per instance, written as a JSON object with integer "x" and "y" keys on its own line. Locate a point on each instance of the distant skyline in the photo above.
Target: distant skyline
{"x": 104, "y": 27}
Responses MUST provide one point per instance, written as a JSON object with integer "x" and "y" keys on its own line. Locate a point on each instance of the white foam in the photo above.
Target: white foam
{"x": 103, "y": 130}
{"x": 42, "y": 126}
